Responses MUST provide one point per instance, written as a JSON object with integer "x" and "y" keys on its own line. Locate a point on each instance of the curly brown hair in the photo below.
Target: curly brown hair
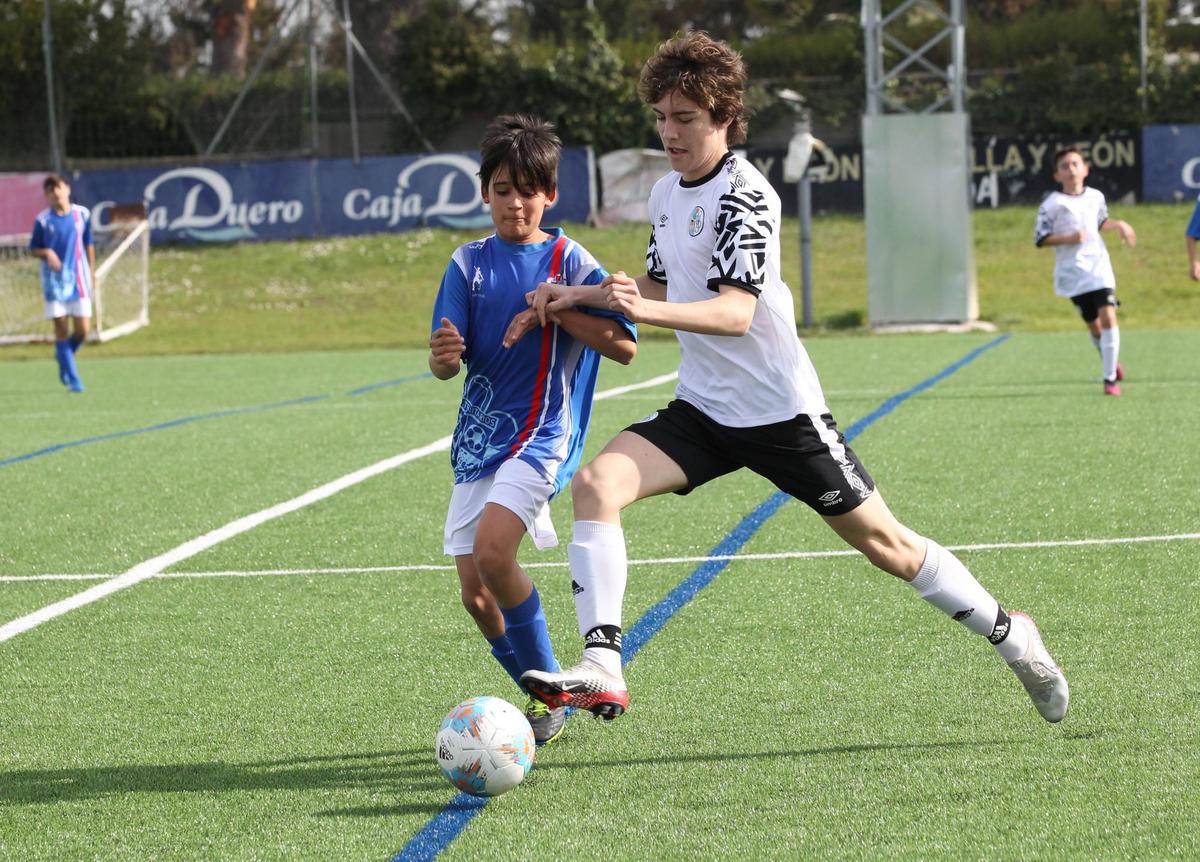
{"x": 702, "y": 69}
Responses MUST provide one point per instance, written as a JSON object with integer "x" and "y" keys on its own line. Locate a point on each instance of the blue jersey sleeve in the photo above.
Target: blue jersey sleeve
{"x": 453, "y": 302}
{"x": 594, "y": 274}
{"x": 1193, "y": 228}
{"x": 87, "y": 228}
{"x": 37, "y": 239}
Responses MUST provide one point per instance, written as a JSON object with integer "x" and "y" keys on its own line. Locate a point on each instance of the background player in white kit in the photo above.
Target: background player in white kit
{"x": 1071, "y": 221}
{"x": 747, "y": 396}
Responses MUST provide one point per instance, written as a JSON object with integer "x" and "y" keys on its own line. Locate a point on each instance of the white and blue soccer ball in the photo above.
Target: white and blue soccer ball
{"x": 485, "y": 746}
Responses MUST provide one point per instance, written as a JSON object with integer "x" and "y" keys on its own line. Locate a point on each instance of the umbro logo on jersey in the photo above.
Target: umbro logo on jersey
{"x": 662, "y": 220}
{"x": 575, "y": 588}
{"x": 962, "y": 615}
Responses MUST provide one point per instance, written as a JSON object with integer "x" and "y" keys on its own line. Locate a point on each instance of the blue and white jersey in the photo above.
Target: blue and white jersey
{"x": 1193, "y": 228}
{"x": 68, "y": 235}
{"x": 532, "y": 400}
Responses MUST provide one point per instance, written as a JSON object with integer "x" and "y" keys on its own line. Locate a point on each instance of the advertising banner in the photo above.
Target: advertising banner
{"x": 290, "y": 199}
{"x": 1171, "y": 168}
{"x": 21, "y": 199}
{"x": 1003, "y": 170}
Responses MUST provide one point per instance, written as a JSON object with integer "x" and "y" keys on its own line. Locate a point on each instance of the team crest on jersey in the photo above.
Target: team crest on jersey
{"x": 477, "y": 282}
{"x": 696, "y": 222}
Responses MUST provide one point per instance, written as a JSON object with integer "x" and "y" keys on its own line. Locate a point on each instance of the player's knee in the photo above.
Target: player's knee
{"x": 593, "y": 487}
{"x": 491, "y": 560}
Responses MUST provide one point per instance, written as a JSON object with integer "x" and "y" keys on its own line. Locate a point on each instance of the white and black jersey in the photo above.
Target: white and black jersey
{"x": 1086, "y": 266}
{"x": 724, "y": 229}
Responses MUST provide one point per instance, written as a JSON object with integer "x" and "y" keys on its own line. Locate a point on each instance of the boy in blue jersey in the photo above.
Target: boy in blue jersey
{"x": 62, "y": 238}
{"x": 1193, "y": 234}
{"x": 527, "y": 397}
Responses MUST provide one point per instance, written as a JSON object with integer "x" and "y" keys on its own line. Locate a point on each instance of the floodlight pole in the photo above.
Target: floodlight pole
{"x": 48, "y": 54}
{"x": 314, "y": 127}
{"x": 348, "y": 29}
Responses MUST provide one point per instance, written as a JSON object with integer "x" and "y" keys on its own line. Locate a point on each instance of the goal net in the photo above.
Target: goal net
{"x": 121, "y": 295}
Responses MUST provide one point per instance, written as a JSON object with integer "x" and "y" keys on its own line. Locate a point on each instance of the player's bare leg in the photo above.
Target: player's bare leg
{"x": 628, "y": 469}
{"x": 522, "y": 622}
{"x": 942, "y": 580}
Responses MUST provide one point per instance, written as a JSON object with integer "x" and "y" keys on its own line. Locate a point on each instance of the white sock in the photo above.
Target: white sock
{"x": 599, "y": 570}
{"x": 1110, "y": 346}
{"x": 945, "y": 583}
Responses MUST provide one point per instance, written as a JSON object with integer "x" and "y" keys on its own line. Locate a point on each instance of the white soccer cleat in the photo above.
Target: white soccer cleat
{"x": 1046, "y": 684}
{"x": 585, "y": 686}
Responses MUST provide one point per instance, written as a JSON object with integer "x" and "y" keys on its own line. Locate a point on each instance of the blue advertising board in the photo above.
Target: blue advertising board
{"x": 278, "y": 200}
{"x": 1171, "y": 167}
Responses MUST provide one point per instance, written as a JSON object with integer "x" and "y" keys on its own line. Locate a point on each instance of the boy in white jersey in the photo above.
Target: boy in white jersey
{"x": 527, "y": 396}
{"x": 62, "y": 238}
{"x": 1071, "y": 221}
{"x": 747, "y": 397}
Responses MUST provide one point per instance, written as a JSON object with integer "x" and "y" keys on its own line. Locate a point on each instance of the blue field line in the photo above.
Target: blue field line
{"x": 372, "y": 387}
{"x": 449, "y": 823}
{"x": 188, "y": 420}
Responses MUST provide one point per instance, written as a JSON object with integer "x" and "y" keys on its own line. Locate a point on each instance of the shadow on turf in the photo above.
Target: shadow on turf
{"x": 408, "y": 771}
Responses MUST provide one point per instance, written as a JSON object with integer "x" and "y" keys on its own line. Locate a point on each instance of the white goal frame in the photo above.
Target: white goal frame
{"x": 101, "y": 329}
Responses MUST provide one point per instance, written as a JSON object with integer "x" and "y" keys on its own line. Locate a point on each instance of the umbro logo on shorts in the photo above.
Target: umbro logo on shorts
{"x": 830, "y": 497}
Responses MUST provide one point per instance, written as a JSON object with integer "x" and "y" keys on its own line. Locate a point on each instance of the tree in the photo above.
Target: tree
{"x": 231, "y": 21}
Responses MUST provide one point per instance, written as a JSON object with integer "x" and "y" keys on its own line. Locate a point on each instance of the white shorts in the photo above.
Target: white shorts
{"x": 516, "y": 486}
{"x": 74, "y": 308}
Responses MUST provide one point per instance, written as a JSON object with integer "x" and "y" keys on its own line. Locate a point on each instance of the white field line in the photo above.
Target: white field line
{"x": 781, "y": 555}
{"x": 155, "y": 565}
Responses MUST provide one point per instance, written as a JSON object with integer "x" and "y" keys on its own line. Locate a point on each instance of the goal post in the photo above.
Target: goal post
{"x": 121, "y": 285}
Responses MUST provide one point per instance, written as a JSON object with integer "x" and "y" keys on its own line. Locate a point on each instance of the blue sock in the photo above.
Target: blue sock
{"x": 76, "y": 343}
{"x": 67, "y": 371}
{"x": 62, "y": 349}
{"x": 525, "y": 626}
{"x": 503, "y": 652}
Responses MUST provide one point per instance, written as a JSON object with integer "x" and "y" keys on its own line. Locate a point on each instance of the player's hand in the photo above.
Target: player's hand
{"x": 525, "y": 322}
{"x": 446, "y": 345}
{"x": 53, "y": 261}
{"x": 1080, "y": 236}
{"x": 1128, "y": 236}
{"x": 624, "y": 296}
{"x": 541, "y": 297}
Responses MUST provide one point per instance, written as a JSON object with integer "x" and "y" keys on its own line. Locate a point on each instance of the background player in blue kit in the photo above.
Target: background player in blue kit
{"x": 1193, "y": 234}
{"x": 1071, "y": 220}
{"x": 748, "y": 396}
{"x": 62, "y": 238}
{"x": 527, "y": 396}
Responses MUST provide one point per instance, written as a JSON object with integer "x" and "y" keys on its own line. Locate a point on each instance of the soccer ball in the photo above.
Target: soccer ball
{"x": 485, "y": 746}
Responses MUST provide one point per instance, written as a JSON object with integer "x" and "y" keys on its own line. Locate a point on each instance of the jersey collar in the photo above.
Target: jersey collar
{"x": 691, "y": 184}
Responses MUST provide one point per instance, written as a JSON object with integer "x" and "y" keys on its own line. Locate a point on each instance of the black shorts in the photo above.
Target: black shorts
{"x": 1089, "y": 303}
{"x": 823, "y": 473}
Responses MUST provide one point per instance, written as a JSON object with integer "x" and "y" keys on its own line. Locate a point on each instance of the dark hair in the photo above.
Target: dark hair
{"x": 1066, "y": 151}
{"x": 708, "y": 72}
{"x": 54, "y": 181}
{"x": 526, "y": 146}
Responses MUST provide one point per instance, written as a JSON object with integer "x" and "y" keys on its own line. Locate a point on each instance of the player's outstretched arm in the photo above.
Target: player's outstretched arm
{"x": 446, "y": 347}
{"x": 603, "y": 334}
{"x": 730, "y": 312}
{"x": 1124, "y": 228}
